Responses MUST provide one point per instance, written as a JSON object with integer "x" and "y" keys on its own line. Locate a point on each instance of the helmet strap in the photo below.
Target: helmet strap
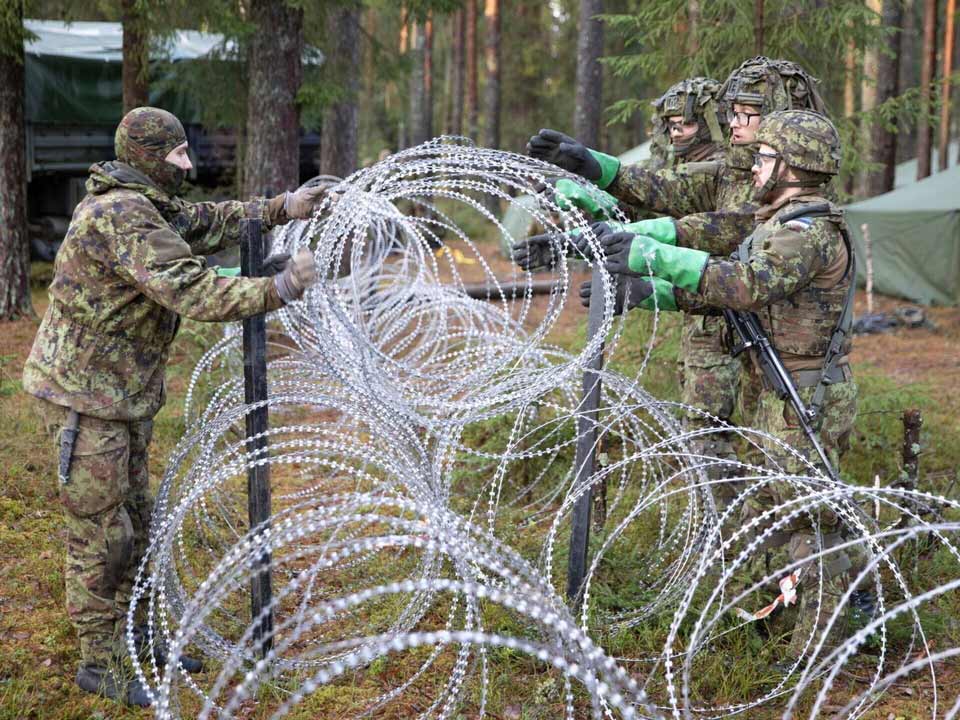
{"x": 771, "y": 184}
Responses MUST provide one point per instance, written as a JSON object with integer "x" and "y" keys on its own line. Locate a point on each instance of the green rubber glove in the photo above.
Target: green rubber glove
{"x": 662, "y": 293}
{"x": 681, "y": 266}
{"x": 661, "y": 229}
{"x": 596, "y": 203}
{"x": 228, "y": 271}
{"x": 609, "y": 167}
{"x": 646, "y": 293}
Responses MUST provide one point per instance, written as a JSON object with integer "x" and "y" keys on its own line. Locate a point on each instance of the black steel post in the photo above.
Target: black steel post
{"x": 255, "y": 390}
{"x": 585, "y": 458}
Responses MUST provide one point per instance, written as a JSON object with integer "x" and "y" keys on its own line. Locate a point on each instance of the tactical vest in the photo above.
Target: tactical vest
{"x": 815, "y": 320}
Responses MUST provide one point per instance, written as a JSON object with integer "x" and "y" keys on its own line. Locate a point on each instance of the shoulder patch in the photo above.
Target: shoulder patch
{"x": 800, "y": 224}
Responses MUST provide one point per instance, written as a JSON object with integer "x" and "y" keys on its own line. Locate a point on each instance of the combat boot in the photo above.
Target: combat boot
{"x": 141, "y": 640}
{"x": 106, "y": 683}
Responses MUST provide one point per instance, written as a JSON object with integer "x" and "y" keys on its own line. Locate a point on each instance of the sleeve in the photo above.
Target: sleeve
{"x": 790, "y": 258}
{"x": 210, "y": 227}
{"x": 684, "y": 190}
{"x": 156, "y": 259}
{"x": 693, "y": 304}
{"x": 718, "y": 233}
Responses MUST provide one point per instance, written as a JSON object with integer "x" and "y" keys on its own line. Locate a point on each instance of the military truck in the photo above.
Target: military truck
{"x": 74, "y": 102}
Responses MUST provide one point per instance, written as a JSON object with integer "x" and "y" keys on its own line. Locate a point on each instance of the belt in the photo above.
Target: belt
{"x": 811, "y": 378}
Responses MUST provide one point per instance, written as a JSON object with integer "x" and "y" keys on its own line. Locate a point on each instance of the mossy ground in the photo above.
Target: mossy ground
{"x": 38, "y": 650}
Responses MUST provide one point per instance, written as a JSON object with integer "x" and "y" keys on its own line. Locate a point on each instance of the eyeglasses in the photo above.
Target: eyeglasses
{"x": 759, "y": 157}
{"x": 679, "y": 127}
{"x": 742, "y": 118}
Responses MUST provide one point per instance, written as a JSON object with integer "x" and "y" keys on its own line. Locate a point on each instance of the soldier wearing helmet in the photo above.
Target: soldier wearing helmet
{"x": 128, "y": 268}
{"x": 692, "y": 115}
{"x": 711, "y": 207}
{"x": 796, "y": 271}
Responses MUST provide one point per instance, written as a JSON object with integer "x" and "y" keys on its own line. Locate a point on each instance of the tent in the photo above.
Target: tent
{"x": 906, "y": 172}
{"x": 915, "y": 237}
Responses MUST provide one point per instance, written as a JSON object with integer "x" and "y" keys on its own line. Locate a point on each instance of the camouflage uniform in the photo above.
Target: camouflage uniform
{"x": 714, "y": 205}
{"x": 795, "y": 272}
{"x": 126, "y": 271}
{"x": 691, "y": 193}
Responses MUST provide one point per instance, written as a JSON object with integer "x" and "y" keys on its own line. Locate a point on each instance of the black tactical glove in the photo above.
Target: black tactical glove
{"x": 616, "y": 246}
{"x": 274, "y": 264}
{"x": 565, "y": 152}
{"x": 534, "y": 253}
{"x": 632, "y": 291}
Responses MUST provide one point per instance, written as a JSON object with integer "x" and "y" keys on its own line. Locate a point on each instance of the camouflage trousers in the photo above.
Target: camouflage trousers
{"x": 799, "y": 540}
{"x": 106, "y": 509}
{"x": 710, "y": 381}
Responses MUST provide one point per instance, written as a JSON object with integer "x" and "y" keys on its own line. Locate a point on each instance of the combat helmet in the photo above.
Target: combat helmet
{"x": 805, "y": 141}
{"x": 772, "y": 85}
{"x": 696, "y": 99}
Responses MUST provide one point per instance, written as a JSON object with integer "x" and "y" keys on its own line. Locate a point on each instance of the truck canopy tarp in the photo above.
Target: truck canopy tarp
{"x": 915, "y": 236}
{"x": 73, "y": 71}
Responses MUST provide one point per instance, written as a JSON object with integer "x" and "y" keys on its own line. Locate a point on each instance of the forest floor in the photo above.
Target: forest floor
{"x": 38, "y": 649}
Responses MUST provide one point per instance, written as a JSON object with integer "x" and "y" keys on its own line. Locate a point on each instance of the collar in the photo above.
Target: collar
{"x": 766, "y": 212}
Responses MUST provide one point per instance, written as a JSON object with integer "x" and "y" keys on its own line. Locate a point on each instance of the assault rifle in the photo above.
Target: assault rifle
{"x": 751, "y": 334}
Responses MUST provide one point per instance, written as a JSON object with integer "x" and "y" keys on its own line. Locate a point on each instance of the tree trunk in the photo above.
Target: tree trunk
{"x": 928, "y": 58}
{"x": 456, "y": 100}
{"x": 758, "y": 27}
{"x": 589, "y": 92}
{"x": 473, "y": 129}
{"x": 272, "y": 162}
{"x": 909, "y": 77}
{"x": 428, "y": 76}
{"x": 868, "y": 99}
{"x": 419, "y": 131}
{"x": 944, "y": 160}
{"x": 338, "y": 143}
{"x": 693, "y": 36}
{"x": 14, "y": 244}
{"x": 136, "y": 60}
{"x": 491, "y": 17}
{"x": 403, "y": 132}
{"x": 883, "y": 143}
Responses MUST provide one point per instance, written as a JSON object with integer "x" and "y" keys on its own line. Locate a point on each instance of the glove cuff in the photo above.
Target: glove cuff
{"x": 681, "y": 266}
{"x": 598, "y": 204}
{"x": 609, "y": 167}
{"x": 661, "y": 229}
{"x": 662, "y": 294}
{"x": 287, "y": 289}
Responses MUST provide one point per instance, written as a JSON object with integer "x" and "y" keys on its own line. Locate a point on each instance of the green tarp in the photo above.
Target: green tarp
{"x": 73, "y": 72}
{"x": 915, "y": 236}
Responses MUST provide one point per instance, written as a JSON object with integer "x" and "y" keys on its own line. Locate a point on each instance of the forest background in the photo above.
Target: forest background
{"x": 397, "y": 73}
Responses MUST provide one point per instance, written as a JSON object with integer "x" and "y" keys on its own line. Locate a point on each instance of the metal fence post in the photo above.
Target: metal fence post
{"x": 585, "y": 458}
{"x": 255, "y": 390}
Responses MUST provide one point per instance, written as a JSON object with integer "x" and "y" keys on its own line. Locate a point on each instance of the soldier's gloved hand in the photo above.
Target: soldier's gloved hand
{"x": 534, "y": 253}
{"x": 299, "y": 205}
{"x": 648, "y": 293}
{"x": 642, "y": 255}
{"x": 275, "y": 263}
{"x": 299, "y": 274}
{"x": 573, "y": 156}
{"x": 615, "y": 241}
{"x": 597, "y": 204}
{"x": 661, "y": 229}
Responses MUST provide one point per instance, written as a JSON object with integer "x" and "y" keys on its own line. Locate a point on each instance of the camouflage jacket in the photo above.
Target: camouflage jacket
{"x": 712, "y": 201}
{"x": 125, "y": 273}
{"x": 795, "y": 278}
